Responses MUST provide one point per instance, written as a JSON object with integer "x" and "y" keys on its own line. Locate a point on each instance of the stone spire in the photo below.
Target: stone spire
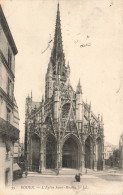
{"x": 98, "y": 117}
{"x": 42, "y": 99}
{"x": 31, "y": 94}
{"x": 79, "y": 88}
{"x": 57, "y": 55}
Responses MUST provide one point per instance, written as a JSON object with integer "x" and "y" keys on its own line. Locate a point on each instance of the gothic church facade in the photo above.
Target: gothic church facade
{"x": 61, "y": 131}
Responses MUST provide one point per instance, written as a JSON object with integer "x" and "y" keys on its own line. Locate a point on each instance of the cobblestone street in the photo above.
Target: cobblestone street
{"x": 65, "y": 184}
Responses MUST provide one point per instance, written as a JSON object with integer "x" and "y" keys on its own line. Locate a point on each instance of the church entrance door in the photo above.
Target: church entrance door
{"x": 35, "y": 153}
{"x": 89, "y": 153}
{"x": 51, "y": 152}
{"x": 70, "y": 154}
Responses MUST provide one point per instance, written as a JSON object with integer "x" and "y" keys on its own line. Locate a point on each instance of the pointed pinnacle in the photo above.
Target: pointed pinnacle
{"x": 101, "y": 118}
{"x": 58, "y": 6}
{"x": 79, "y": 82}
{"x": 68, "y": 68}
{"x": 79, "y": 88}
{"x": 31, "y": 94}
{"x": 90, "y": 105}
{"x": 42, "y": 98}
{"x": 68, "y": 65}
{"x": 98, "y": 116}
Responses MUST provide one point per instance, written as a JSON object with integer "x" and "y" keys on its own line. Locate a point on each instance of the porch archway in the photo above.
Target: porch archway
{"x": 71, "y": 152}
{"x": 89, "y": 161}
{"x": 35, "y": 152}
{"x": 99, "y": 154}
{"x": 51, "y": 152}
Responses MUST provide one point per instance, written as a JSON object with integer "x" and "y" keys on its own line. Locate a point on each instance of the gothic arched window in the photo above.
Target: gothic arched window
{"x": 65, "y": 110}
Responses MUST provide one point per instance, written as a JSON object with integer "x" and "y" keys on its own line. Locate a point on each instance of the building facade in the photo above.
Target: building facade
{"x": 121, "y": 151}
{"x": 18, "y": 151}
{"x": 9, "y": 118}
{"x": 61, "y": 131}
{"x": 108, "y": 150}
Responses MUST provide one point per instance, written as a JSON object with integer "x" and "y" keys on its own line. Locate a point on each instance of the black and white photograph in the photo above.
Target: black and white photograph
{"x": 61, "y": 97}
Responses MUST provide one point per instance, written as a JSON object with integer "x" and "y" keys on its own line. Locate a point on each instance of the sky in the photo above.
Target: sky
{"x": 92, "y": 33}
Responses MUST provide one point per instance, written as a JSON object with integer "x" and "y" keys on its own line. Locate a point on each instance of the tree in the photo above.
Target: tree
{"x": 116, "y": 157}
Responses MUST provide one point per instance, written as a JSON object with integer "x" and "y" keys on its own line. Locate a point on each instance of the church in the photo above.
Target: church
{"x": 62, "y": 131}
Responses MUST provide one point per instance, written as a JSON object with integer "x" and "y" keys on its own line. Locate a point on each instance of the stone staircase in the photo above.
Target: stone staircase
{"x": 49, "y": 172}
{"x": 45, "y": 172}
{"x": 63, "y": 171}
{"x": 68, "y": 171}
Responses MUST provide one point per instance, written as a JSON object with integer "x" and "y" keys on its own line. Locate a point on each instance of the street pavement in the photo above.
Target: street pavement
{"x": 100, "y": 183}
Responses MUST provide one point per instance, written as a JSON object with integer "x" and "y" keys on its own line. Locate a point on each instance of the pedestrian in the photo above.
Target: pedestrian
{"x": 86, "y": 171}
{"x": 26, "y": 173}
{"x": 77, "y": 177}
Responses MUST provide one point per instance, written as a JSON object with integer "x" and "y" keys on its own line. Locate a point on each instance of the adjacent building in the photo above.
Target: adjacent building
{"x": 108, "y": 150}
{"x": 18, "y": 151}
{"x": 62, "y": 131}
{"x": 121, "y": 151}
{"x": 9, "y": 118}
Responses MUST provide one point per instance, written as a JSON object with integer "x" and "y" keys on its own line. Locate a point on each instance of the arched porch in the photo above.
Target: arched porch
{"x": 71, "y": 152}
{"x": 51, "y": 152}
{"x": 89, "y": 150}
{"x": 35, "y": 152}
{"x": 99, "y": 158}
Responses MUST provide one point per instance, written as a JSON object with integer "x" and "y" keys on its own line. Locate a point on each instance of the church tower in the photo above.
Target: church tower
{"x": 61, "y": 130}
{"x": 57, "y": 55}
{"x": 56, "y": 68}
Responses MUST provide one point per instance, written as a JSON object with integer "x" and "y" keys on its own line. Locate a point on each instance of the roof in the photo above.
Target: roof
{"x": 7, "y": 31}
{"x": 16, "y": 167}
